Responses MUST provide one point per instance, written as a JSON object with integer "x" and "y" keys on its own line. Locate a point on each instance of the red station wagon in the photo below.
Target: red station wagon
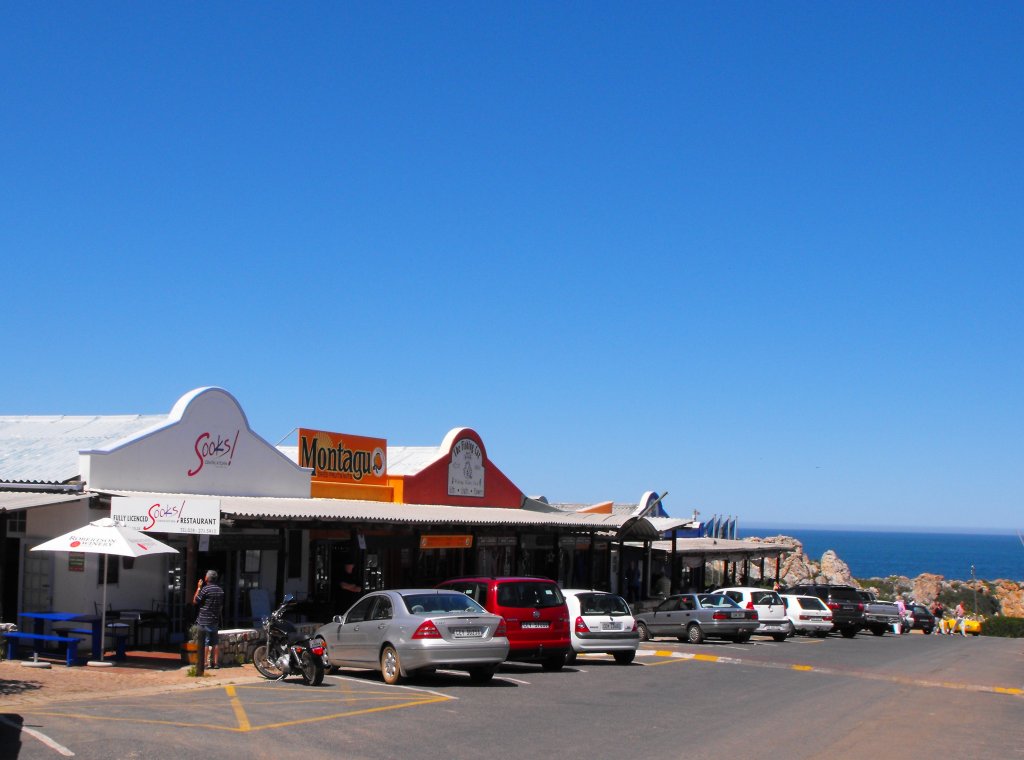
{"x": 536, "y": 616}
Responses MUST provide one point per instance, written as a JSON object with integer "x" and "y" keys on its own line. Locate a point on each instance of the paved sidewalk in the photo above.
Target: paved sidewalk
{"x": 142, "y": 672}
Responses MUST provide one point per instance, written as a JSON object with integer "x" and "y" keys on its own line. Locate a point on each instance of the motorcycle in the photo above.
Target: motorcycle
{"x": 286, "y": 652}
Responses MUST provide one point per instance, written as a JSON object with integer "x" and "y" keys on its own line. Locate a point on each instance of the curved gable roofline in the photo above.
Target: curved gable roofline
{"x": 167, "y": 456}
{"x": 183, "y": 403}
{"x": 650, "y": 505}
{"x": 455, "y": 434}
{"x": 175, "y": 416}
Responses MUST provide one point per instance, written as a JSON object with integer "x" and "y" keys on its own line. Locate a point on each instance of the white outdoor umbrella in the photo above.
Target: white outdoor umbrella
{"x": 106, "y": 537}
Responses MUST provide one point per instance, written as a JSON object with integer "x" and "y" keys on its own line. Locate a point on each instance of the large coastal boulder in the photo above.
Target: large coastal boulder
{"x": 834, "y": 570}
{"x": 926, "y": 588}
{"x": 797, "y": 567}
{"x": 1011, "y": 598}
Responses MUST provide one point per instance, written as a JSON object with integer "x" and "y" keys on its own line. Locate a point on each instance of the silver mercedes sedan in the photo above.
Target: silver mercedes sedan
{"x": 406, "y": 631}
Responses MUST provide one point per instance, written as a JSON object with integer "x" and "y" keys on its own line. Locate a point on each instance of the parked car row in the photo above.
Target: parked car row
{"x": 476, "y": 623}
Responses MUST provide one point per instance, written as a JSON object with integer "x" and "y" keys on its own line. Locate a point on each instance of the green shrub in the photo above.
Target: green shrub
{"x": 988, "y": 605}
{"x": 887, "y": 587}
{"x": 1008, "y": 627}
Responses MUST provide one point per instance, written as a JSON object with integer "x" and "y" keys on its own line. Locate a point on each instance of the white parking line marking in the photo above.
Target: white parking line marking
{"x": 396, "y": 686}
{"x": 60, "y": 749}
{"x": 513, "y": 680}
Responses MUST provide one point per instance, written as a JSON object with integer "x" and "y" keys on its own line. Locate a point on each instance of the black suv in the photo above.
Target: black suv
{"x": 844, "y": 601}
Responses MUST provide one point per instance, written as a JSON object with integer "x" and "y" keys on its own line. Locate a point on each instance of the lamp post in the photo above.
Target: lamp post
{"x": 974, "y": 588}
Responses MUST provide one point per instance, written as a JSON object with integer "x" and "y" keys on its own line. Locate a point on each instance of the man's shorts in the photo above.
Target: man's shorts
{"x": 208, "y": 636}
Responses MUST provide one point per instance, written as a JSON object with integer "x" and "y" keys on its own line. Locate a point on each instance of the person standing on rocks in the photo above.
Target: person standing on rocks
{"x": 961, "y": 619}
{"x": 939, "y": 612}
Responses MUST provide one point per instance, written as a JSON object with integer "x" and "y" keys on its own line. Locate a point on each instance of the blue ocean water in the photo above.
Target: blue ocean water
{"x": 877, "y": 554}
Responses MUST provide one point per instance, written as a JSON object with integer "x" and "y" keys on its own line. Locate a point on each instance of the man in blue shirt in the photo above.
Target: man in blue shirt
{"x": 209, "y": 598}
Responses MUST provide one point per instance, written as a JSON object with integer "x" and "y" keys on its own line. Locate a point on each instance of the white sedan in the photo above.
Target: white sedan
{"x": 601, "y": 622}
{"x": 808, "y": 614}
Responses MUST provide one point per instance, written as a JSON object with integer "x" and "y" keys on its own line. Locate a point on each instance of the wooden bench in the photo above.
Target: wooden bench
{"x": 70, "y": 643}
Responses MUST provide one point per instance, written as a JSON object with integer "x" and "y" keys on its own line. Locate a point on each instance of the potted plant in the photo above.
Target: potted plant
{"x": 190, "y": 649}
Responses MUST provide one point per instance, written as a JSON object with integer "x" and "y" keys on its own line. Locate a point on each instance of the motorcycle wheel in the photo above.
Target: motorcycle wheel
{"x": 312, "y": 668}
{"x": 265, "y": 664}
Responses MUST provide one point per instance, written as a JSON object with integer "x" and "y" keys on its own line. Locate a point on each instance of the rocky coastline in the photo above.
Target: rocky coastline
{"x": 997, "y": 597}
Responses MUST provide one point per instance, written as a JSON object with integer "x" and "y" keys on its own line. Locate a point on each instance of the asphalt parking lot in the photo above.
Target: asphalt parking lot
{"x": 872, "y": 689}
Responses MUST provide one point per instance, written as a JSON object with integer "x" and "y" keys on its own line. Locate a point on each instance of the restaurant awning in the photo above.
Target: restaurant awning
{"x": 346, "y": 510}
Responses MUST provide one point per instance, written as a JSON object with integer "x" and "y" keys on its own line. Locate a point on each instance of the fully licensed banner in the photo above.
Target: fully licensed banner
{"x": 200, "y": 516}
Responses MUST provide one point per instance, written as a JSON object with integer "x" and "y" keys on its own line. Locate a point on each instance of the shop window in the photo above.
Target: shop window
{"x": 112, "y": 565}
{"x": 16, "y": 522}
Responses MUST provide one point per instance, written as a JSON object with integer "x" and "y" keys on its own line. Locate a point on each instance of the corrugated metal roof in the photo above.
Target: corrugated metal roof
{"x": 44, "y": 449}
{"x": 346, "y": 510}
{"x": 723, "y": 548}
{"x": 409, "y": 460}
{"x": 12, "y": 501}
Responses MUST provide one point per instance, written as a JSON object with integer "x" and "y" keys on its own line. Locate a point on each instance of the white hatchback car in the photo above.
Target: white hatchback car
{"x": 601, "y": 622}
{"x": 808, "y": 614}
{"x": 771, "y": 610}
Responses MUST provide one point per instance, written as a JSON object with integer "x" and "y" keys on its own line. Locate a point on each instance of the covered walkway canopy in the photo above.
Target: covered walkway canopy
{"x": 257, "y": 508}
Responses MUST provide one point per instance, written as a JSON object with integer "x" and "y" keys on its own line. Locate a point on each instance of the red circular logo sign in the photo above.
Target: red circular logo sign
{"x": 75, "y": 543}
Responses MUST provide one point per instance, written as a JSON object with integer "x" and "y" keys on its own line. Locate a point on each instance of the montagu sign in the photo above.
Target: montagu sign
{"x": 341, "y": 457}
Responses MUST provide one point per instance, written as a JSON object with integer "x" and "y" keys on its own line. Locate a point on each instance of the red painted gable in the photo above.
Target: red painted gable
{"x": 430, "y": 485}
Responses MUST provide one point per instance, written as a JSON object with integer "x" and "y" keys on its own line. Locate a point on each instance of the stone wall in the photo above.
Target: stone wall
{"x": 237, "y": 644}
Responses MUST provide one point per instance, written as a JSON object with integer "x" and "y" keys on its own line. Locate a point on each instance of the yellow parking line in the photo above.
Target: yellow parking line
{"x": 236, "y": 705}
{"x": 245, "y": 725}
{"x": 1015, "y": 692}
{"x": 802, "y": 667}
{"x": 351, "y": 713}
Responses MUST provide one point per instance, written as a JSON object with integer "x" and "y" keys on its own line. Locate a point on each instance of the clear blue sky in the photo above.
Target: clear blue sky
{"x": 767, "y": 257}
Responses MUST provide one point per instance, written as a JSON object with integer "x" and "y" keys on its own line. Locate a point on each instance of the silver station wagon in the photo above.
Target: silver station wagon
{"x": 694, "y": 617}
{"x": 410, "y": 631}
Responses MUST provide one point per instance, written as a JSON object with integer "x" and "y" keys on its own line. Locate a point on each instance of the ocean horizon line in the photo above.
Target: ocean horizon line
{"x": 779, "y": 528}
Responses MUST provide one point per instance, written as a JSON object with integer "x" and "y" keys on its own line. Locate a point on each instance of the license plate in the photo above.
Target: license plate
{"x": 737, "y": 615}
{"x": 542, "y": 624}
{"x": 773, "y": 627}
{"x": 467, "y": 633}
{"x": 611, "y": 626}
